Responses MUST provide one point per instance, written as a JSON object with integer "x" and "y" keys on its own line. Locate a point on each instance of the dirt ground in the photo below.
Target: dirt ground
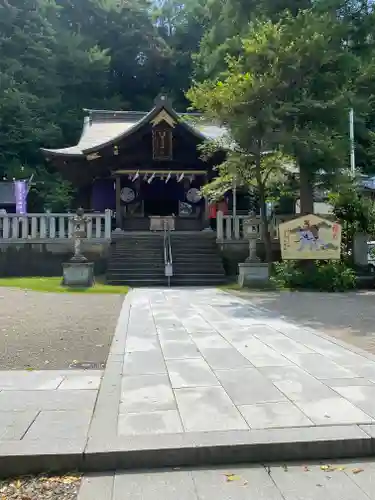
{"x": 53, "y": 330}
{"x": 41, "y": 487}
{"x": 346, "y": 316}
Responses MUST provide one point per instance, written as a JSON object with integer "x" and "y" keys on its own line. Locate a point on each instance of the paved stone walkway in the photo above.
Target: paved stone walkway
{"x": 342, "y": 481}
{"x": 45, "y": 412}
{"x": 203, "y": 360}
{"x": 194, "y": 376}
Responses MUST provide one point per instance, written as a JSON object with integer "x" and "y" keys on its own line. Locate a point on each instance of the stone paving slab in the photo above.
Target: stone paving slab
{"x": 246, "y": 482}
{"x": 201, "y": 376}
{"x": 45, "y": 418}
{"x": 198, "y": 376}
{"x": 215, "y": 358}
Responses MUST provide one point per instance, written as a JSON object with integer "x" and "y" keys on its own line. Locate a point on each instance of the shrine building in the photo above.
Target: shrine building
{"x": 142, "y": 165}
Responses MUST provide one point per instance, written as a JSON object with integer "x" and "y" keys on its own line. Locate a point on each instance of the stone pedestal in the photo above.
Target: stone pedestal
{"x": 252, "y": 258}
{"x": 252, "y": 274}
{"x": 78, "y": 274}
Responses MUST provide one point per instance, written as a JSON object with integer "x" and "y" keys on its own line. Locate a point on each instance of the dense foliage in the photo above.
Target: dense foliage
{"x": 60, "y": 56}
{"x": 334, "y": 276}
{"x": 289, "y": 71}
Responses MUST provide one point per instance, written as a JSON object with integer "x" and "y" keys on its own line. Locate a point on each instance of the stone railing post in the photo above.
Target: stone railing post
{"x": 220, "y": 226}
{"x": 228, "y": 227}
{"x": 6, "y": 226}
{"x": 236, "y": 224}
{"x": 107, "y": 224}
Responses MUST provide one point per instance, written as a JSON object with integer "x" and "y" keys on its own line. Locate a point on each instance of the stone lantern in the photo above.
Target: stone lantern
{"x": 78, "y": 271}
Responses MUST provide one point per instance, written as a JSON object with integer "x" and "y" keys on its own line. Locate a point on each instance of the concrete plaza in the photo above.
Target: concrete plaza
{"x": 295, "y": 481}
{"x": 194, "y": 377}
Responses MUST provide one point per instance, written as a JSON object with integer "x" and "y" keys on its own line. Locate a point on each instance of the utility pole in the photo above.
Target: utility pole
{"x": 352, "y": 147}
{"x": 234, "y": 195}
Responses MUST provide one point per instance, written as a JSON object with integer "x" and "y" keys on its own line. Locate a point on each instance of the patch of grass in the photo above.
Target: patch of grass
{"x": 53, "y": 284}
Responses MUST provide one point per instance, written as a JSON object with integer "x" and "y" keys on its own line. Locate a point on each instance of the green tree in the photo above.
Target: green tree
{"x": 288, "y": 92}
{"x": 47, "y": 74}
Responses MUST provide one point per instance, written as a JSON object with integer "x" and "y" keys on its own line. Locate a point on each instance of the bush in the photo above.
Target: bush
{"x": 332, "y": 276}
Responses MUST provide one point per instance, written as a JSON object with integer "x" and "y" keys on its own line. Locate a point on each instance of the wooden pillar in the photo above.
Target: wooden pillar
{"x": 118, "y": 203}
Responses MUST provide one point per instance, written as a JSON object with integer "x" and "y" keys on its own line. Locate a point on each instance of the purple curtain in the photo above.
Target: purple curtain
{"x": 103, "y": 195}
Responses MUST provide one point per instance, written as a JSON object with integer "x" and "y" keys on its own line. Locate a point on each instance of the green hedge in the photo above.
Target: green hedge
{"x": 327, "y": 276}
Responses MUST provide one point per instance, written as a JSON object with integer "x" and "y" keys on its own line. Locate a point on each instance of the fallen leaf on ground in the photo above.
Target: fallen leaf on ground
{"x": 29, "y": 369}
{"x": 245, "y": 483}
{"x": 285, "y": 467}
{"x": 327, "y": 468}
{"x": 341, "y": 468}
{"x": 357, "y": 471}
{"x": 61, "y": 479}
{"x": 305, "y": 468}
{"x": 319, "y": 485}
{"x": 232, "y": 477}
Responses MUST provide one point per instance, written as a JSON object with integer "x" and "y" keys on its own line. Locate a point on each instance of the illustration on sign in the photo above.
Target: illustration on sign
{"x": 310, "y": 237}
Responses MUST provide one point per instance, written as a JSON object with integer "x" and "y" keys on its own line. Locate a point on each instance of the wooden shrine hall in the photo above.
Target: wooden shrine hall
{"x": 144, "y": 166}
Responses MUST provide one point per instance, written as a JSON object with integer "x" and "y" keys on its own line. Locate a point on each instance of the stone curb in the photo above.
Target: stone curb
{"x": 228, "y": 447}
{"x": 193, "y": 449}
{"x": 103, "y": 450}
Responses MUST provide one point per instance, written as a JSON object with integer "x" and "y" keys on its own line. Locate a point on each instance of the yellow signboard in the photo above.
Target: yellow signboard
{"x": 310, "y": 237}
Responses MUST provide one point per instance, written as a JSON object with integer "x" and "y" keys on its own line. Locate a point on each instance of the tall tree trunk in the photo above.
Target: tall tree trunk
{"x": 266, "y": 237}
{"x": 306, "y": 180}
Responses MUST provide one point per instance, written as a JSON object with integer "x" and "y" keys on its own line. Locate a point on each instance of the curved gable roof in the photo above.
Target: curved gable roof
{"x": 102, "y": 128}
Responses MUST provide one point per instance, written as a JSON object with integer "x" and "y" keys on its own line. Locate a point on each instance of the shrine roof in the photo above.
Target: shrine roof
{"x": 102, "y": 128}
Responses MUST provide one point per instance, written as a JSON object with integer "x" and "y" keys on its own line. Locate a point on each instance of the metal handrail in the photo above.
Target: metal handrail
{"x": 168, "y": 261}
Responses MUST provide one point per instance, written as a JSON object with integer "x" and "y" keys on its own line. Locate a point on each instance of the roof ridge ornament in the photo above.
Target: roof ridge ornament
{"x": 163, "y": 100}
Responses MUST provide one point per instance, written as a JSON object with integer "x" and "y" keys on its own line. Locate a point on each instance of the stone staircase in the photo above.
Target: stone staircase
{"x": 196, "y": 260}
{"x": 137, "y": 259}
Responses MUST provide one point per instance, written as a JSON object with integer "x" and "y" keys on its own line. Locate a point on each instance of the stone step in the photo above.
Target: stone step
{"x": 136, "y": 282}
{"x": 141, "y": 257}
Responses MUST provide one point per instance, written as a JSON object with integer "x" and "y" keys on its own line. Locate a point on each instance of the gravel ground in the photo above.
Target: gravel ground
{"x": 346, "y": 316}
{"x": 52, "y": 330}
{"x": 41, "y": 488}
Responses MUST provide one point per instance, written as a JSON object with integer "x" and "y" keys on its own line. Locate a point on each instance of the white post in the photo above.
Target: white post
{"x": 5, "y": 227}
{"x": 228, "y": 227}
{"x": 70, "y": 228}
{"x": 234, "y": 193}
{"x": 34, "y": 227}
{"x": 107, "y": 224}
{"x": 89, "y": 229}
{"x": 15, "y": 228}
{"x": 236, "y": 221}
{"x": 61, "y": 227}
{"x": 52, "y": 226}
{"x": 220, "y": 226}
{"x": 352, "y": 148}
{"x": 43, "y": 227}
{"x": 98, "y": 226}
{"x": 25, "y": 227}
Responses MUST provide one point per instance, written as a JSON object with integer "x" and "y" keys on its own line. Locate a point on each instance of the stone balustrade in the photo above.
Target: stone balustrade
{"x": 240, "y": 227}
{"x": 52, "y": 226}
